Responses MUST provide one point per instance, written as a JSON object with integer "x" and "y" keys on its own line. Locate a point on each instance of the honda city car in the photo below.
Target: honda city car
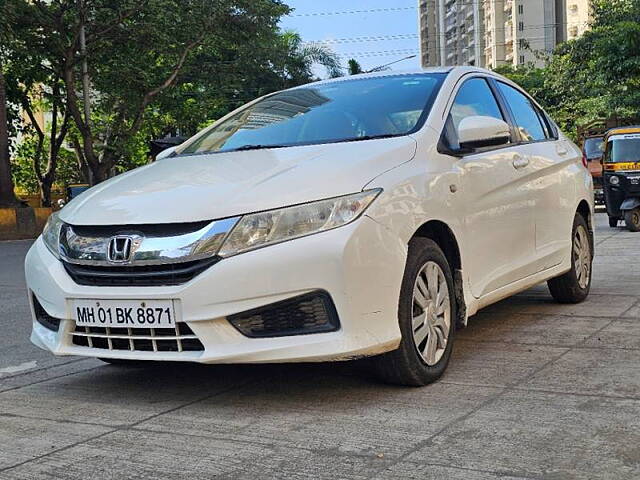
{"x": 365, "y": 216}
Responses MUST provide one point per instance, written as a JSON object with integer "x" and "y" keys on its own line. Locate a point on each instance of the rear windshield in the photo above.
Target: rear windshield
{"x": 324, "y": 113}
{"x": 624, "y": 148}
{"x": 592, "y": 147}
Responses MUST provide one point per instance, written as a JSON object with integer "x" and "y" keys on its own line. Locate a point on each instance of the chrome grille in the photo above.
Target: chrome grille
{"x": 138, "y": 276}
{"x": 179, "y": 339}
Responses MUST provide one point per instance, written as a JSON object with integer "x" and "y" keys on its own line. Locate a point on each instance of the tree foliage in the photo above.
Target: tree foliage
{"x": 67, "y": 171}
{"x": 354, "y": 67}
{"x": 594, "y": 76}
{"x": 7, "y": 197}
{"x": 155, "y": 67}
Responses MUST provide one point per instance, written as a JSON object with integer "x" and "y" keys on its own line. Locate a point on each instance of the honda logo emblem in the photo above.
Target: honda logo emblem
{"x": 120, "y": 249}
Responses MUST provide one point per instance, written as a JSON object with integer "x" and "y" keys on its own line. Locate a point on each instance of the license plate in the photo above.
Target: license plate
{"x": 124, "y": 313}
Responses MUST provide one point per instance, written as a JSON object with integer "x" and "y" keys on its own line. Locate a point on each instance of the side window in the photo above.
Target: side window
{"x": 474, "y": 98}
{"x": 525, "y": 114}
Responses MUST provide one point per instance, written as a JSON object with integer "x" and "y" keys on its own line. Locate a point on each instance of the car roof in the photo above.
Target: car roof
{"x": 623, "y": 130}
{"x": 459, "y": 71}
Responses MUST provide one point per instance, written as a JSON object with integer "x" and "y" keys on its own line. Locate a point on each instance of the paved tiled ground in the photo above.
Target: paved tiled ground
{"x": 534, "y": 390}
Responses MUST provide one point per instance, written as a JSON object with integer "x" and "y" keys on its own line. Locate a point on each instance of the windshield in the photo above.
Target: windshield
{"x": 324, "y": 113}
{"x": 592, "y": 147}
{"x": 624, "y": 148}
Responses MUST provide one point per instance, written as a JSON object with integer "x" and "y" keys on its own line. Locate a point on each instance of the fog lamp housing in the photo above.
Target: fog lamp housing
{"x": 310, "y": 313}
{"x": 43, "y": 318}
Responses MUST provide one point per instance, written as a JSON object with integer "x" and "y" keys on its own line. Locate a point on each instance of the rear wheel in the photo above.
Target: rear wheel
{"x": 574, "y": 286}
{"x": 427, "y": 312}
{"x": 632, "y": 219}
{"x": 613, "y": 222}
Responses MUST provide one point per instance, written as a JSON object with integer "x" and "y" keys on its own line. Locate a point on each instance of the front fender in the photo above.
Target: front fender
{"x": 630, "y": 204}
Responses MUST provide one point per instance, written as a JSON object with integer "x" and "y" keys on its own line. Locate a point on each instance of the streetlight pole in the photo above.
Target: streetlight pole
{"x": 381, "y": 67}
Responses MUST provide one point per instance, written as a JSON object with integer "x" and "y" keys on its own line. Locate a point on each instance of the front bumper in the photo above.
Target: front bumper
{"x": 360, "y": 266}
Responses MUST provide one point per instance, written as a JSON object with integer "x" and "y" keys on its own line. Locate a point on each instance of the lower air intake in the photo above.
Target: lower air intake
{"x": 44, "y": 318}
{"x": 178, "y": 339}
{"x": 310, "y": 313}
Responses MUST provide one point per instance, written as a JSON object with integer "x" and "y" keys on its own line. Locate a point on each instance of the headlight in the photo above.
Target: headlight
{"x": 51, "y": 234}
{"x": 614, "y": 180}
{"x": 275, "y": 226}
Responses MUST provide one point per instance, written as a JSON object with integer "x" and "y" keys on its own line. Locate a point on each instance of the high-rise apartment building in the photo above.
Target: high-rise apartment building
{"x": 577, "y": 17}
{"x": 450, "y": 32}
{"x": 496, "y": 32}
{"x": 519, "y": 31}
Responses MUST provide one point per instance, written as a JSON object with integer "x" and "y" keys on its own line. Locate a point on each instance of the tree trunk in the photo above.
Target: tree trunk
{"x": 45, "y": 192}
{"x": 84, "y": 169}
{"x": 88, "y": 153}
{"x": 7, "y": 195}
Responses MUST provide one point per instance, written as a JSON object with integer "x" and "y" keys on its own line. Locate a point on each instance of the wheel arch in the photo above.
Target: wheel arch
{"x": 444, "y": 237}
{"x": 585, "y": 211}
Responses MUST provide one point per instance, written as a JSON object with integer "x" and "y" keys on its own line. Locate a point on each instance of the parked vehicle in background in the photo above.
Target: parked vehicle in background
{"x": 366, "y": 216}
{"x": 622, "y": 176}
{"x": 592, "y": 151}
{"x": 590, "y": 138}
{"x": 71, "y": 192}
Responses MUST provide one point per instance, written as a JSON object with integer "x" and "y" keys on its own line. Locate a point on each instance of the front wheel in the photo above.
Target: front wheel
{"x": 632, "y": 219}
{"x": 426, "y": 313}
{"x": 574, "y": 286}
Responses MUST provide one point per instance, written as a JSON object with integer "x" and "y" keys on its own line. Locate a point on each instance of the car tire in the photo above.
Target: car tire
{"x": 574, "y": 286}
{"x": 632, "y": 219}
{"x": 420, "y": 359}
{"x": 121, "y": 362}
{"x": 613, "y": 222}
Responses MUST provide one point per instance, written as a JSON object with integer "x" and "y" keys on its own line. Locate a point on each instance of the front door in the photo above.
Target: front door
{"x": 499, "y": 219}
{"x": 495, "y": 198}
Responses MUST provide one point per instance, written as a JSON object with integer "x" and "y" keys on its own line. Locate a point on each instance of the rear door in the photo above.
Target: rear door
{"x": 551, "y": 166}
{"x": 494, "y": 196}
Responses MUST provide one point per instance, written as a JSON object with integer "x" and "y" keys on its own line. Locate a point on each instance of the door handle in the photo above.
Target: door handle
{"x": 562, "y": 150}
{"x": 520, "y": 162}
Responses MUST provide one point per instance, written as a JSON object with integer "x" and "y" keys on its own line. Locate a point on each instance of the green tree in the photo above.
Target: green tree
{"x": 67, "y": 171}
{"x": 354, "y": 67}
{"x": 7, "y": 195}
{"x": 136, "y": 54}
{"x": 35, "y": 86}
{"x": 529, "y": 77}
{"x": 592, "y": 77}
{"x": 598, "y": 74}
{"x": 298, "y": 60}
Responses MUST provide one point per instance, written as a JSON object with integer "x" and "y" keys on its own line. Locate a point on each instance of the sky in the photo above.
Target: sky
{"x": 354, "y": 28}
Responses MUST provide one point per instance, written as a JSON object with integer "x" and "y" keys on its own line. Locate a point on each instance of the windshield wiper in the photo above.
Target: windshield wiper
{"x": 372, "y": 137}
{"x": 244, "y": 148}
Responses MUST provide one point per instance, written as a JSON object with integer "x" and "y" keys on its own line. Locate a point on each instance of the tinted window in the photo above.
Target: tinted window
{"x": 474, "y": 98}
{"x": 624, "y": 148}
{"x": 322, "y": 113}
{"x": 593, "y": 147}
{"x": 524, "y": 113}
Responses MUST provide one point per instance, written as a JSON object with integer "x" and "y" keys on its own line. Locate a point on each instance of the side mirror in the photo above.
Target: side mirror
{"x": 166, "y": 153}
{"x": 479, "y": 131}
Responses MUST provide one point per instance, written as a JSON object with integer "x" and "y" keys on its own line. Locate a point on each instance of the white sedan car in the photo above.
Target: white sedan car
{"x": 366, "y": 216}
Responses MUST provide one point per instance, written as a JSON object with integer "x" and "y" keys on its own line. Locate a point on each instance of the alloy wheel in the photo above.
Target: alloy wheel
{"x": 582, "y": 256}
{"x": 431, "y": 313}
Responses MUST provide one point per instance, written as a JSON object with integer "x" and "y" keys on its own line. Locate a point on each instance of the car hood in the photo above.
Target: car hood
{"x": 211, "y": 186}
